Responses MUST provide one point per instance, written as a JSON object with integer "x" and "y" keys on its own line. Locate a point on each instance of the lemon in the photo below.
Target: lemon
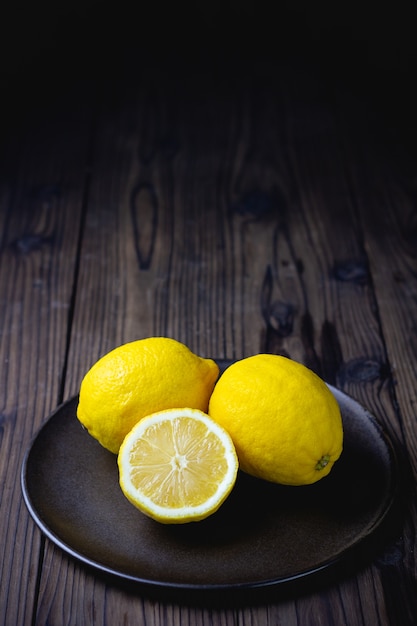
{"x": 177, "y": 466}
{"x": 283, "y": 419}
{"x": 140, "y": 378}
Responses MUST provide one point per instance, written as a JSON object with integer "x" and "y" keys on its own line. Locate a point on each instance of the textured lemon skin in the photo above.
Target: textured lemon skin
{"x": 283, "y": 419}
{"x": 202, "y": 459}
{"x": 140, "y": 378}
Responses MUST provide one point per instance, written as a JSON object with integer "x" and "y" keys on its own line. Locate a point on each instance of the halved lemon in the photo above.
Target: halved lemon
{"x": 177, "y": 465}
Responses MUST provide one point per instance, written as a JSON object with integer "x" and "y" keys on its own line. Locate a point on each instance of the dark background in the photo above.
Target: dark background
{"x": 369, "y": 48}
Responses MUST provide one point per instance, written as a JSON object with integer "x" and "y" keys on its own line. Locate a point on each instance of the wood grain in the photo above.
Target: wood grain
{"x": 237, "y": 214}
{"x": 41, "y": 214}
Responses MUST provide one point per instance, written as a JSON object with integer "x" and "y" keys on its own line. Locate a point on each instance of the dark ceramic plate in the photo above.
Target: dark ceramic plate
{"x": 264, "y": 535}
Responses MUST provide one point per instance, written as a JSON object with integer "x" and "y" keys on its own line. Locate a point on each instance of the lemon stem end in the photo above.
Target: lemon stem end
{"x": 322, "y": 463}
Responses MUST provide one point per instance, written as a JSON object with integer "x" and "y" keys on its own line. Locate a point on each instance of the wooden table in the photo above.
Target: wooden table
{"x": 239, "y": 202}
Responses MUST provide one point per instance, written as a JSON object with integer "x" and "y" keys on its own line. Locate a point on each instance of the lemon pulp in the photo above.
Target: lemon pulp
{"x": 177, "y": 466}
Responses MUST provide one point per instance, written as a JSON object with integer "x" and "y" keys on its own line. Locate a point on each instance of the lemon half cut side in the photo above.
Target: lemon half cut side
{"x": 177, "y": 465}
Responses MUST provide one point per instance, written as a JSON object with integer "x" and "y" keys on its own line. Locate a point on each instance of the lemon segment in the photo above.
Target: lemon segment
{"x": 140, "y": 378}
{"x": 283, "y": 419}
{"x": 177, "y": 466}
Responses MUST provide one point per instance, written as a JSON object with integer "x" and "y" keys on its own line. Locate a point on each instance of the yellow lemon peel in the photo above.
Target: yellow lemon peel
{"x": 284, "y": 420}
{"x": 140, "y": 378}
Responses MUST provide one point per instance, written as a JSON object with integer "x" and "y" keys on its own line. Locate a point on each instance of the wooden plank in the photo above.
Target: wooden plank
{"x": 390, "y": 226}
{"x": 43, "y": 176}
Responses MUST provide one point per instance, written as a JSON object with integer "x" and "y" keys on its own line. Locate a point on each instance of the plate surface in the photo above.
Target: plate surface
{"x": 263, "y": 535}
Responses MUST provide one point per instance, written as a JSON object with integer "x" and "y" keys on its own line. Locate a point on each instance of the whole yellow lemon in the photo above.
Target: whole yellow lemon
{"x": 283, "y": 419}
{"x": 140, "y": 378}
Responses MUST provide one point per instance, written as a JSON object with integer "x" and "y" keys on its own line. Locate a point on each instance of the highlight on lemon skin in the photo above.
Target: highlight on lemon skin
{"x": 140, "y": 378}
{"x": 177, "y": 466}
